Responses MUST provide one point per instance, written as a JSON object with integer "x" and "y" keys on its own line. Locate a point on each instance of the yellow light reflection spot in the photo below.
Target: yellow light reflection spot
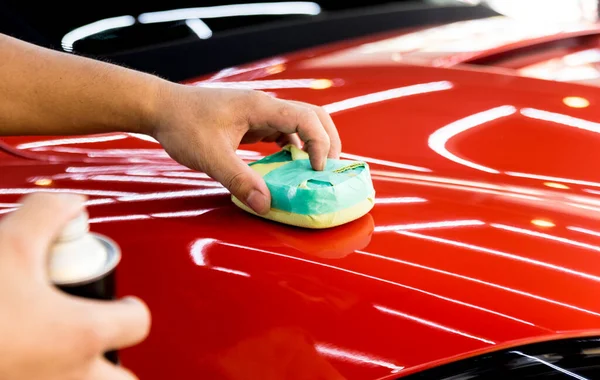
{"x": 576, "y": 102}
{"x": 43, "y": 182}
{"x": 321, "y": 84}
{"x": 275, "y": 69}
{"x": 556, "y": 185}
{"x": 542, "y": 223}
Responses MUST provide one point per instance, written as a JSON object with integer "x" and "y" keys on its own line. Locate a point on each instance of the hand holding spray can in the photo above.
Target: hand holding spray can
{"x": 82, "y": 263}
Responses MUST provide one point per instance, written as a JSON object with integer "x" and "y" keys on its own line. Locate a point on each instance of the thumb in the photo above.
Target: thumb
{"x": 243, "y": 182}
{"x": 38, "y": 221}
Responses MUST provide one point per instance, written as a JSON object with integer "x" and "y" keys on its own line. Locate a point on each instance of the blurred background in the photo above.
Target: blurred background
{"x": 178, "y": 39}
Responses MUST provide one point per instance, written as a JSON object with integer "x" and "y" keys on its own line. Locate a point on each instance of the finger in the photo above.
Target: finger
{"x": 243, "y": 182}
{"x": 119, "y": 324}
{"x": 293, "y": 139}
{"x": 288, "y": 117}
{"x": 34, "y": 226}
{"x": 102, "y": 369}
{"x": 336, "y": 143}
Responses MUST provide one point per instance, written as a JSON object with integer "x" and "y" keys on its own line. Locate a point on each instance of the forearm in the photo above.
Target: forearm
{"x": 45, "y": 92}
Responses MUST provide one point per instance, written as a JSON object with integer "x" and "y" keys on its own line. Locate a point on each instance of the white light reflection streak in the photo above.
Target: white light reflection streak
{"x": 454, "y": 181}
{"x": 481, "y": 190}
{"x": 96, "y": 27}
{"x": 512, "y": 257}
{"x": 173, "y": 195}
{"x": 144, "y": 173}
{"x": 10, "y": 205}
{"x": 548, "y": 178}
{"x": 384, "y": 162}
{"x": 185, "y": 175}
{"x": 231, "y": 71}
{"x": 159, "y": 180}
{"x": 261, "y": 84}
{"x": 399, "y": 200}
{"x": 548, "y": 237}
{"x": 562, "y": 370}
{"x": 199, "y": 27}
{"x": 439, "y": 139}
{"x": 100, "y": 201}
{"x": 100, "y": 193}
{"x": 591, "y": 208}
{"x": 105, "y": 152}
{"x": 119, "y": 218}
{"x": 197, "y": 251}
{"x": 452, "y": 274}
{"x": 560, "y": 118}
{"x": 181, "y": 214}
{"x": 355, "y": 357}
{"x": 394, "y": 93}
{"x": 144, "y": 137}
{"x": 430, "y": 324}
{"x": 231, "y": 271}
{"x": 584, "y": 231}
{"x": 120, "y": 168}
{"x": 74, "y": 140}
{"x": 7, "y": 210}
{"x": 429, "y": 225}
{"x": 232, "y": 10}
{"x": 592, "y": 201}
{"x": 452, "y": 300}
{"x": 244, "y": 152}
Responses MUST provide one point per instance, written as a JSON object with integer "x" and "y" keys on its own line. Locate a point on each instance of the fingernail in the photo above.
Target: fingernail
{"x": 321, "y": 165}
{"x": 257, "y": 201}
{"x": 72, "y": 197}
{"x": 132, "y": 300}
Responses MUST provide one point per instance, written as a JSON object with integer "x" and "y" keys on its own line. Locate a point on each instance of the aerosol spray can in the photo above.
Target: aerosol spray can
{"x": 82, "y": 263}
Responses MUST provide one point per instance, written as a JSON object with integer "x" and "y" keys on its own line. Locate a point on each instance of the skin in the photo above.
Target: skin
{"x": 44, "y": 333}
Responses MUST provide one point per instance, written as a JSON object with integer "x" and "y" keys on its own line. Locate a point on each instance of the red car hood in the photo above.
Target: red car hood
{"x": 485, "y": 231}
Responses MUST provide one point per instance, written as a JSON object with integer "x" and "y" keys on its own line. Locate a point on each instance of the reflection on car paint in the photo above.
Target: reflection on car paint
{"x": 381, "y": 96}
{"x": 510, "y": 256}
{"x": 439, "y": 139}
{"x": 361, "y": 358}
{"x": 547, "y": 236}
{"x": 397, "y": 313}
{"x": 429, "y": 225}
{"x": 398, "y": 200}
{"x": 200, "y": 253}
{"x": 73, "y": 140}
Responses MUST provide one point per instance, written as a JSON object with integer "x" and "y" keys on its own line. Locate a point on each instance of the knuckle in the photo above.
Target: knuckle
{"x": 311, "y": 114}
{"x": 235, "y": 183}
{"x": 257, "y": 96}
{"x": 286, "y": 110}
{"x": 309, "y": 117}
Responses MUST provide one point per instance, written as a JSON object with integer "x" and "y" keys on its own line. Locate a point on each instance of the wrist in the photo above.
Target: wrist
{"x": 152, "y": 105}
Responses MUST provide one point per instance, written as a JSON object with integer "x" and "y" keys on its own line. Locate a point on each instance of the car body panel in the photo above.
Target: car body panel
{"x": 484, "y": 233}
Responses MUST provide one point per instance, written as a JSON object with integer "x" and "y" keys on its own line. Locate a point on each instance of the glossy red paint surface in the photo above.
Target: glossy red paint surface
{"x": 485, "y": 231}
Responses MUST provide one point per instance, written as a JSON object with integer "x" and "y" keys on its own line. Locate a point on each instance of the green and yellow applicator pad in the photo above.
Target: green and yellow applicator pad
{"x": 303, "y": 197}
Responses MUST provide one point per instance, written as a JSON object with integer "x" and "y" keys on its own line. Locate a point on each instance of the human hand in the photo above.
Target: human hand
{"x": 201, "y": 128}
{"x": 46, "y": 334}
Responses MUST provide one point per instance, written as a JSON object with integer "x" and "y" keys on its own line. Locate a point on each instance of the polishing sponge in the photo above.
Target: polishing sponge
{"x": 304, "y": 197}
